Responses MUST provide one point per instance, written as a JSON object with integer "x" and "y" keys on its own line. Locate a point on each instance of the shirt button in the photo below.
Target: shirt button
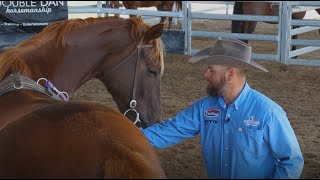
{"x": 227, "y": 148}
{"x": 227, "y": 132}
{"x": 225, "y": 164}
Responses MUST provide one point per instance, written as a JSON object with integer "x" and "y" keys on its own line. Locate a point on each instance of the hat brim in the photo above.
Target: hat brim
{"x": 200, "y": 57}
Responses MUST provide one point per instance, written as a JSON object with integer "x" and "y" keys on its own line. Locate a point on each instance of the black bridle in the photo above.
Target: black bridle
{"x": 133, "y": 102}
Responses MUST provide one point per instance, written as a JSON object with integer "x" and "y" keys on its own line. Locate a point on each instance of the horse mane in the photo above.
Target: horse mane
{"x": 12, "y": 60}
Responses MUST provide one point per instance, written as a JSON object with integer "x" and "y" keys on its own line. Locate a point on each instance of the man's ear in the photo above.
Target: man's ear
{"x": 231, "y": 72}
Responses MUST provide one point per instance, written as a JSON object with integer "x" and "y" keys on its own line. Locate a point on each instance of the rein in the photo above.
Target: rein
{"x": 17, "y": 81}
{"x": 133, "y": 102}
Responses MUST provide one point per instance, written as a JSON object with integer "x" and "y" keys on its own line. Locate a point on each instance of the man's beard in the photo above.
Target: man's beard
{"x": 218, "y": 89}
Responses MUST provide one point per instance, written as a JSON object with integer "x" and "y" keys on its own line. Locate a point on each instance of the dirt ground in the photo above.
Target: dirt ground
{"x": 295, "y": 88}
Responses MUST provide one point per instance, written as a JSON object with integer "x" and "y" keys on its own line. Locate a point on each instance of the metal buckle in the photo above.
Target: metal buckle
{"x": 21, "y": 86}
{"x": 133, "y": 104}
{"x": 137, "y": 115}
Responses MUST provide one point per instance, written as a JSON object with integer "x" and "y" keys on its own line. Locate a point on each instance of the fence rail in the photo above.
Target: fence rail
{"x": 283, "y": 38}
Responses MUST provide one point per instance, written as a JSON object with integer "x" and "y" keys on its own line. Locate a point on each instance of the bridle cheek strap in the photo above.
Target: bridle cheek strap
{"x": 133, "y": 102}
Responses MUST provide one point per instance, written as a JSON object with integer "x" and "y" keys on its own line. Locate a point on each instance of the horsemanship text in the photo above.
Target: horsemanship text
{"x": 29, "y": 6}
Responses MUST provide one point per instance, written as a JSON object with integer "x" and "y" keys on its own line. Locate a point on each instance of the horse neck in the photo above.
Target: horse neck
{"x": 36, "y": 63}
{"x": 63, "y": 66}
{"x": 76, "y": 68}
{"x": 33, "y": 63}
{"x": 58, "y": 66}
{"x": 86, "y": 53}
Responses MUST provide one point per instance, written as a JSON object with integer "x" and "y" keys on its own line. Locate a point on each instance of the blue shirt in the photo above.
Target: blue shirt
{"x": 251, "y": 138}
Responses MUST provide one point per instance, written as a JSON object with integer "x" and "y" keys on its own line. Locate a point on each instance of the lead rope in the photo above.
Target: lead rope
{"x": 17, "y": 81}
{"x": 49, "y": 87}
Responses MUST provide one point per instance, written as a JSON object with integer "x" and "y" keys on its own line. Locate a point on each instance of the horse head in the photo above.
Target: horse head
{"x": 125, "y": 54}
{"x": 133, "y": 76}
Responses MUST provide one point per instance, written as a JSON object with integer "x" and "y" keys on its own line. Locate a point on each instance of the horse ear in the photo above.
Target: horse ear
{"x": 154, "y": 32}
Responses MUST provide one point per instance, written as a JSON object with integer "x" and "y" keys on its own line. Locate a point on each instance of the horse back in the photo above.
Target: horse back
{"x": 263, "y": 8}
{"x": 137, "y": 4}
{"x": 76, "y": 140}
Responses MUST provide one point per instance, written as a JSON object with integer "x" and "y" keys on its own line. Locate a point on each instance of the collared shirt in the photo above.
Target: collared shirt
{"x": 251, "y": 138}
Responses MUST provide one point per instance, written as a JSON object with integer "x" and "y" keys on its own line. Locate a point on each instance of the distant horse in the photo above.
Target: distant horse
{"x": 42, "y": 135}
{"x": 114, "y": 4}
{"x": 160, "y": 5}
{"x": 259, "y": 8}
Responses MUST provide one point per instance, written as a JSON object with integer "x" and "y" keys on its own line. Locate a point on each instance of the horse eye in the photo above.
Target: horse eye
{"x": 153, "y": 71}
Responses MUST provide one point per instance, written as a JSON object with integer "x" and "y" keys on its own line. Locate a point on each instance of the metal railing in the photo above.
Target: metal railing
{"x": 283, "y": 36}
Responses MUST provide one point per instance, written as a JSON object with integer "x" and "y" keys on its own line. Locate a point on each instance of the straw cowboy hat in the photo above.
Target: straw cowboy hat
{"x": 228, "y": 52}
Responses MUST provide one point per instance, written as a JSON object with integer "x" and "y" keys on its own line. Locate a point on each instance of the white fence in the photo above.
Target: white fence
{"x": 286, "y": 54}
{"x": 283, "y": 37}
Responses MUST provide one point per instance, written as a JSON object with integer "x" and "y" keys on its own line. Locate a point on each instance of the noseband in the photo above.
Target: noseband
{"x": 133, "y": 102}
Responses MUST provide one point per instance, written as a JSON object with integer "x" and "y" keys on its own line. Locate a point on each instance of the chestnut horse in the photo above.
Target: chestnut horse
{"x": 43, "y": 135}
{"x": 160, "y": 5}
{"x": 258, "y": 8}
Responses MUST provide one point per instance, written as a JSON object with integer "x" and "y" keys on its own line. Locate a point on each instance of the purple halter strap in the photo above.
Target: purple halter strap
{"x": 48, "y": 84}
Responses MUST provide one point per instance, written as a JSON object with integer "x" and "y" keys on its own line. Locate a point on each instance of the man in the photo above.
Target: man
{"x": 244, "y": 134}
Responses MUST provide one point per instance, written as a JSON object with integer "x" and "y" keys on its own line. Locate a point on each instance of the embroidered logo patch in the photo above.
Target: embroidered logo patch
{"x": 251, "y": 122}
{"x": 212, "y": 112}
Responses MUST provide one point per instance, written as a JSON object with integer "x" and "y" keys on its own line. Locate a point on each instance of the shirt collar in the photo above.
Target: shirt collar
{"x": 240, "y": 99}
{"x": 242, "y": 96}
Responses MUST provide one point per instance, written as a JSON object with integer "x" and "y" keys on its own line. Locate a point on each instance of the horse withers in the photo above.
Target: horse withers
{"x": 259, "y": 8}
{"x": 43, "y": 135}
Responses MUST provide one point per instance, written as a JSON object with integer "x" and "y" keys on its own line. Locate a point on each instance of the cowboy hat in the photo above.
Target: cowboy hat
{"x": 228, "y": 52}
